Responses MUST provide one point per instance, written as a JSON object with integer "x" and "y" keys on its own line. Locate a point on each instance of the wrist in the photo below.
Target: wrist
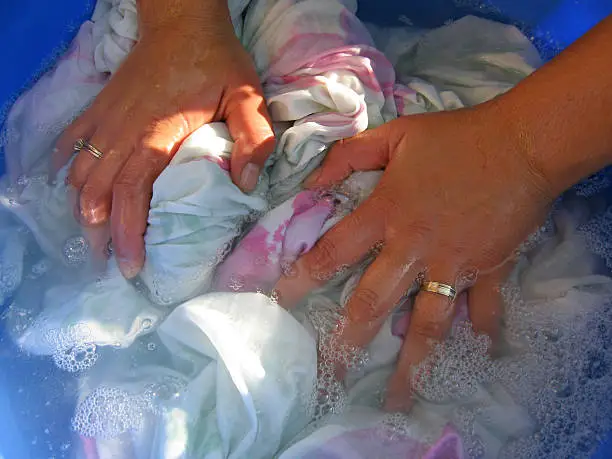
{"x": 512, "y": 143}
{"x": 553, "y": 162}
{"x": 183, "y": 14}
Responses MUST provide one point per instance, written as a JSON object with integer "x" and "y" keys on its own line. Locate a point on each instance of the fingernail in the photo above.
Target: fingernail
{"x": 128, "y": 269}
{"x": 313, "y": 178}
{"x": 249, "y": 177}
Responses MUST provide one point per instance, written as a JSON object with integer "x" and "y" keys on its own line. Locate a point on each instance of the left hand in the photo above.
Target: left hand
{"x": 183, "y": 72}
{"x": 457, "y": 197}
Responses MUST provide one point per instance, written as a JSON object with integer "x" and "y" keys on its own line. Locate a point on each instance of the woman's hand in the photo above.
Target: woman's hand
{"x": 456, "y": 200}
{"x": 184, "y": 72}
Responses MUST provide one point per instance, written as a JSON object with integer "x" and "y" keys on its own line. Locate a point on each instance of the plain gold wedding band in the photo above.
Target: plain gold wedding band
{"x": 440, "y": 289}
{"x": 81, "y": 144}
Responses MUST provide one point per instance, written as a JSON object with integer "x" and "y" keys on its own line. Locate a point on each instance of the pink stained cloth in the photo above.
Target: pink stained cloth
{"x": 372, "y": 443}
{"x": 292, "y": 228}
{"x": 276, "y": 241}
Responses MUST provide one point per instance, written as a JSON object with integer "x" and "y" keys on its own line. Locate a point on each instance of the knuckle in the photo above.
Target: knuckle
{"x": 124, "y": 181}
{"x": 393, "y": 205}
{"x": 367, "y": 297}
{"x": 149, "y": 159}
{"x": 490, "y": 256}
{"x": 381, "y": 199}
{"x": 421, "y": 230}
{"x": 323, "y": 260}
{"x": 400, "y": 229}
{"x": 365, "y": 306}
{"x": 125, "y": 185}
{"x": 429, "y": 329}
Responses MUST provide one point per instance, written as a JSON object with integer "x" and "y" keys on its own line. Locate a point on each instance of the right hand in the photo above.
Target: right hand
{"x": 184, "y": 72}
{"x": 456, "y": 199}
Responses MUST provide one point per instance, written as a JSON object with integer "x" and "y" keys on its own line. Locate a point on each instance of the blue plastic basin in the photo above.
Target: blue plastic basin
{"x": 34, "y": 414}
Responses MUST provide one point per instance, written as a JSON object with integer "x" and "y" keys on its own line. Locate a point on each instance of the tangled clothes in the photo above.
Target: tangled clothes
{"x": 221, "y": 372}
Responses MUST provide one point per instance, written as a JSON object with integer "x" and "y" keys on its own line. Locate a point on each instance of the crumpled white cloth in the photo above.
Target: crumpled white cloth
{"x": 227, "y": 388}
{"x": 216, "y": 324}
{"x": 324, "y": 80}
{"x": 191, "y": 226}
{"x": 462, "y": 67}
{"x": 323, "y": 77}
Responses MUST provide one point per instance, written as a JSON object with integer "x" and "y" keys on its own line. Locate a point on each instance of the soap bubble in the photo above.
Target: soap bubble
{"x": 455, "y": 368}
{"x": 76, "y": 250}
{"x": 108, "y": 412}
{"x": 76, "y": 358}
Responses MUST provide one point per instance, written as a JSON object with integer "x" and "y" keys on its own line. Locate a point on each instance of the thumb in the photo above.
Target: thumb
{"x": 250, "y": 127}
{"x": 364, "y": 152}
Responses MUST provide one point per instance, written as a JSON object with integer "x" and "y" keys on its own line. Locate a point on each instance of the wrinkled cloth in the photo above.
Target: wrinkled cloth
{"x": 286, "y": 232}
{"x": 228, "y": 389}
{"x": 39, "y": 115}
{"x": 330, "y": 443}
{"x": 276, "y": 242}
{"x": 191, "y": 225}
{"x": 232, "y": 374}
{"x": 336, "y": 92}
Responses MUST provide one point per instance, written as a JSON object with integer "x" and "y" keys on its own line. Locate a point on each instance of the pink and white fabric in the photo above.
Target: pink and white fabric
{"x": 375, "y": 443}
{"x": 251, "y": 364}
{"x": 276, "y": 242}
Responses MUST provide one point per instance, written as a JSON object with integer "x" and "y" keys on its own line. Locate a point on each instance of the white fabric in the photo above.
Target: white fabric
{"x": 244, "y": 368}
{"x": 246, "y": 373}
{"x": 190, "y": 224}
{"x": 463, "y": 66}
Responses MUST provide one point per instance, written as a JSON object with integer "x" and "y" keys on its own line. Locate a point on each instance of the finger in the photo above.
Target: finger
{"x": 83, "y": 128}
{"x": 344, "y": 245}
{"x": 96, "y": 194}
{"x": 381, "y": 288}
{"x": 132, "y": 193}
{"x": 97, "y": 237}
{"x": 366, "y": 151}
{"x": 486, "y": 305}
{"x": 430, "y": 322}
{"x": 105, "y": 140}
{"x": 251, "y": 128}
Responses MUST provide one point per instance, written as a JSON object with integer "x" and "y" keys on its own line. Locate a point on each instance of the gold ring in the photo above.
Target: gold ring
{"x": 440, "y": 289}
{"x": 81, "y": 144}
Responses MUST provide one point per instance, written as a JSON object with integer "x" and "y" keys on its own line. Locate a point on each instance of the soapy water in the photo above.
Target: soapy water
{"x": 455, "y": 369}
{"x": 567, "y": 385}
{"x": 335, "y": 357}
{"x": 109, "y": 412}
{"x": 572, "y": 403}
{"x": 561, "y": 376}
